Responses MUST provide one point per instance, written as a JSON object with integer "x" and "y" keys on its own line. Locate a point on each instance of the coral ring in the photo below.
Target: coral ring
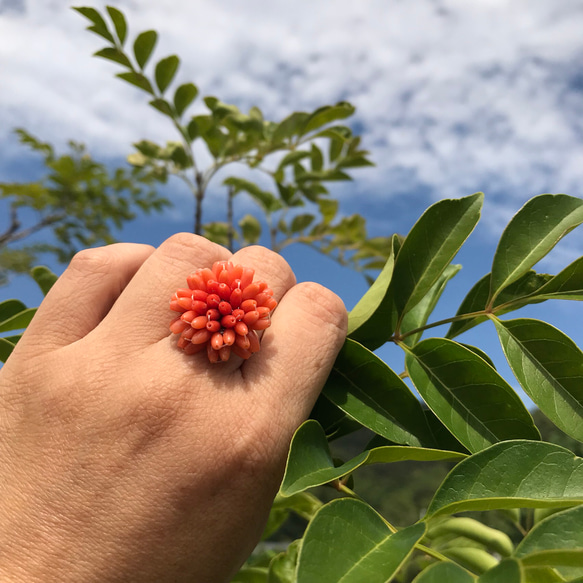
{"x": 222, "y": 310}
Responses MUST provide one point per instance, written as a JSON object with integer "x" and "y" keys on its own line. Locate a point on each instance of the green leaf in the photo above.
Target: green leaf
{"x": 444, "y": 572}
{"x": 163, "y": 107}
{"x": 199, "y": 125}
{"x": 184, "y": 96}
{"x": 99, "y": 26}
{"x": 544, "y": 575}
{"x": 336, "y": 147}
{"x": 301, "y": 222}
{"x": 18, "y": 321}
{"x": 9, "y": 308}
{"x": 115, "y": 55}
{"x": 365, "y": 388}
{"x": 317, "y": 158}
{"x": 531, "y": 234}
{"x": 119, "y": 21}
{"x": 215, "y": 140}
{"x": 335, "y": 422}
{"x": 265, "y": 199}
{"x": 549, "y": 367}
{"x": 6, "y": 348}
{"x": 480, "y": 353}
{"x": 443, "y": 438}
{"x": 310, "y": 462}
{"x": 523, "y": 291}
{"x": 144, "y": 45}
{"x": 555, "y": 541}
{"x": 430, "y": 246}
{"x": 328, "y": 208}
{"x": 276, "y": 519}
{"x": 44, "y": 278}
{"x": 508, "y": 571}
{"x": 303, "y": 504}
{"x": 251, "y": 229}
{"x": 493, "y": 539}
{"x": 566, "y": 285}
{"x": 290, "y": 126}
{"x": 370, "y": 322}
{"x": 418, "y": 316}
{"x": 217, "y": 232}
{"x": 165, "y": 71}
{"x": 354, "y": 162}
{"x": 137, "y": 159}
{"x": 178, "y": 155}
{"x": 327, "y": 114}
{"x": 512, "y": 474}
{"x": 138, "y": 80}
{"x": 149, "y": 149}
{"x": 220, "y": 109}
{"x": 470, "y": 398}
{"x": 282, "y": 568}
{"x": 293, "y": 157}
{"x": 348, "y": 541}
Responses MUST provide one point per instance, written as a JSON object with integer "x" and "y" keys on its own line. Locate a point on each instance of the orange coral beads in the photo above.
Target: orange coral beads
{"x": 222, "y": 310}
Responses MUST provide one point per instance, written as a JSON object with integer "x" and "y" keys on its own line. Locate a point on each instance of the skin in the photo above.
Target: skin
{"x": 123, "y": 459}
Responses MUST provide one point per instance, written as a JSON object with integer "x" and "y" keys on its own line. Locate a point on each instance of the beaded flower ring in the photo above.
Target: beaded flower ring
{"x": 222, "y": 310}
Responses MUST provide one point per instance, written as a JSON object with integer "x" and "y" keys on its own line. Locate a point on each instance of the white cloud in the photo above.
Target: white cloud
{"x": 453, "y": 96}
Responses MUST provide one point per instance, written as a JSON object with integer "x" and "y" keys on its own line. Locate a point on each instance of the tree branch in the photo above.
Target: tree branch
{"x": 12, "y": 228}
{"x": 15, "y": 235}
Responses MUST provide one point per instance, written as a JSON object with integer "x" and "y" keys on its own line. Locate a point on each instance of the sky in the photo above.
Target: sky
{"x": 451, "y": 97}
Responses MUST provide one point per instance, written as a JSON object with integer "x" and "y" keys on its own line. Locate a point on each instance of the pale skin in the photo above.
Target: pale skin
{"x": 123, "y": 459}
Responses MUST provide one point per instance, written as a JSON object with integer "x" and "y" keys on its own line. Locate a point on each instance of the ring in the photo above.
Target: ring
{"x": 222, "y": 310}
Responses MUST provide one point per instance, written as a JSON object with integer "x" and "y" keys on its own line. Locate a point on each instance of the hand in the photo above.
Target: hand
{"x": 123, "y": 459}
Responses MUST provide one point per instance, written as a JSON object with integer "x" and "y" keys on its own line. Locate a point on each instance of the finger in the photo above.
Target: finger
{"x": 84, "y": 294}
{"x": 297, "y": 353}
{"x": 142, "y": 311}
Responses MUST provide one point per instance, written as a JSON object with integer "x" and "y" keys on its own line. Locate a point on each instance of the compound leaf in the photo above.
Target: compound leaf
{"x": 531, "y": 234}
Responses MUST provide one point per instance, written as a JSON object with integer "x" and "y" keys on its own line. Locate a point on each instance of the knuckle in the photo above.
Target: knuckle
{"x": 95, "y": 260}
{"x": 271, "y": 265}
{"x": 324, "y": 305}
{"x": 181, "y": 245}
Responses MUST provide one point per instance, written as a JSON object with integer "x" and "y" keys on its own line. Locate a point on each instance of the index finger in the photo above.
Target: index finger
{"x": 143, "y": 307}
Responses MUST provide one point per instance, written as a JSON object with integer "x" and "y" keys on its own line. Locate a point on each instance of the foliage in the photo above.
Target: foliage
{"x": 470, "y": 417}
{"x": 296, "y": 157}
{"x": 79, "y": 200}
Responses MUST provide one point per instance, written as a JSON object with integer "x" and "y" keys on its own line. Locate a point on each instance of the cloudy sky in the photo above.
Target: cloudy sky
{"x": 452, "y": 97}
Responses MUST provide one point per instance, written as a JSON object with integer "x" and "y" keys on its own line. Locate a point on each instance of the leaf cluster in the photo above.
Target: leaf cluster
{"x": 469, "y": 414}
{"x": 79, "y": 200}
{"x": 297, "y": 156}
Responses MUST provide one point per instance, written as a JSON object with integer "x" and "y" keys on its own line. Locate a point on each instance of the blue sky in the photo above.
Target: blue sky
{"x": 452, "y": 97}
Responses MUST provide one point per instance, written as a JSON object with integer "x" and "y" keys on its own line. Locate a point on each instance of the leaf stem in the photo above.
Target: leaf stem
{"x": 433, "y": 553}
{"x": 458, "y": 318}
